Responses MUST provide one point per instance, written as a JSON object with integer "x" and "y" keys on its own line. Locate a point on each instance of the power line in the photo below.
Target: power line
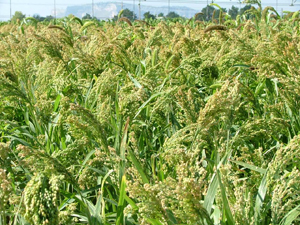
{"x": 150, "y": 1}
{"x": 13, "y": 3}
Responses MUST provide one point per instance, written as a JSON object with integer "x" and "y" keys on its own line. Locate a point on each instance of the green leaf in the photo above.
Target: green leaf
{"x": 275, "y": 81}
{"x": 216, "y": 85}
{"x": 251, "y": 167}
{"x": 96, "y": 214}
{"x": 78, "y": 20}
{"x": 269, "y": 85}
{"x": 131, "y": 202}
{"x": 153, "y": 221}
{"x": 216, "y": 215}
{"x": 120, "y": 13}
{"x": 171, "y": 217}
{"x": 81, "y": 218}
{"x": 56, "y": 104}
{"x": 136, "y": 83}
{"x": 138, "y": 166}
{"x": 291, "y": 216}
{"x": 214, "y": 4}
{"x": 259, "y": 88}
{"x": 146, "y": 102}
{"x": 169, "y": 62}
{"x": 122, "y": 151}
{"x": 262, "y": 190}
{"x": 211, "y": 193}
{"x": 227, "y": 210}
{"x": 32, "y": 128}
{"x": 26, "y": 117}
{"x": 12, "y": 138}
{"x": 154, "y": 57}
{"x": 120, "y": 208}
{"x": 87, "y": 24}
{"x": 241, "y": 65}
{"x": 88, "y": 156}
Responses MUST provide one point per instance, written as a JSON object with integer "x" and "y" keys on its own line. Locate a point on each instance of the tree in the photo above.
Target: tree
{"x": 217, "y": 14}
{"x": 128, "y": 14}
{"x": 258, "y": 2}
{"x": 172, "y": 15}
{"x": 244, "y": 9}
{"x": 88, "y": 17}
{"x": 160, "y": 15}
{"x": 17, "y": 16}
{"x": 148, "y": 15}
{"x": 49, "y": 18}
{"x": 207, "y": 12}
{"x": 38, "y": 17}
{"x": 233, "y": 12}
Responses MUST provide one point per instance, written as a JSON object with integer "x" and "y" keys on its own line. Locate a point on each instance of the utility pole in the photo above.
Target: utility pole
{"x": 139, "y": 9}
{"x": 140, "y": 15}
{"x": 169, "y": 6}
{"x": 122, "y": 4}
{"x": 133, "y": 9}
{"x": 92, "y": 9}
{"x": 276, "y": 5}
{"x": 207, "y": 11}
{"x": 10, "y": 10}
{"x": 55, "y": 10}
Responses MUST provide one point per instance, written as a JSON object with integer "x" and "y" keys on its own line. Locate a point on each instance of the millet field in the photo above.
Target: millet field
{"x": 157, "y": 122}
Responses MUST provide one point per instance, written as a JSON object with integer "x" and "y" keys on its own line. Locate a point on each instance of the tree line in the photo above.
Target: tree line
{"x": 206, "y": 14}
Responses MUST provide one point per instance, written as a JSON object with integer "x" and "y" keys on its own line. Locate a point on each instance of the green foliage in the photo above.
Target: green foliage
{"x": 233, "y": 12}
{"x": 128, "y": 14}
{"x": 88, "y": 17}
{"x": 172, "y": 15}
{"x": 160, "y": 122}
{"x": 148, "y": 15}
{"x": 160, "y": 15}
{"x": 18, "y": 16}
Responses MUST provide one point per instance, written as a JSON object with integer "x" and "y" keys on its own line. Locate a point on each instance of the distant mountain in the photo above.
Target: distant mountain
{"x": 110, "y": 9}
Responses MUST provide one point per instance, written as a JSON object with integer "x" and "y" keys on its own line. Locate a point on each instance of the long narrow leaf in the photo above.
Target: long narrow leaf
{"x": 123, "y": 150}
{"x": 291, "y": 216}
{"x": 211, "y": 193}
{"x": 251, "y": 167}
{"x": 153, "y": 221}
{"x": 131, "y": 202}
{"x": 227, "y": 210}
{"x": 120, "y": 214}
{"x": 138, "y": 166}
{"x": 146, "y": 102}
{"x": 56, "y": 103}
{"x": 262, "y": 190}
{"x": 136, "y": 83}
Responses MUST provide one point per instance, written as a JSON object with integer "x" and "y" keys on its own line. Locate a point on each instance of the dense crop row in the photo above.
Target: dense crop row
{"x": 172, "y": 123}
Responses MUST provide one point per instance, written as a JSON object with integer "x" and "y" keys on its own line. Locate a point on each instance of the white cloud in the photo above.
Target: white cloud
{"x": 60, "y": 12}
{"x": 108, "y": 11}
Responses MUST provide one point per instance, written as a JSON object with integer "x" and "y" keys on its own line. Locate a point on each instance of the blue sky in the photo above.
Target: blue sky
{"x": 45, "y": 7}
